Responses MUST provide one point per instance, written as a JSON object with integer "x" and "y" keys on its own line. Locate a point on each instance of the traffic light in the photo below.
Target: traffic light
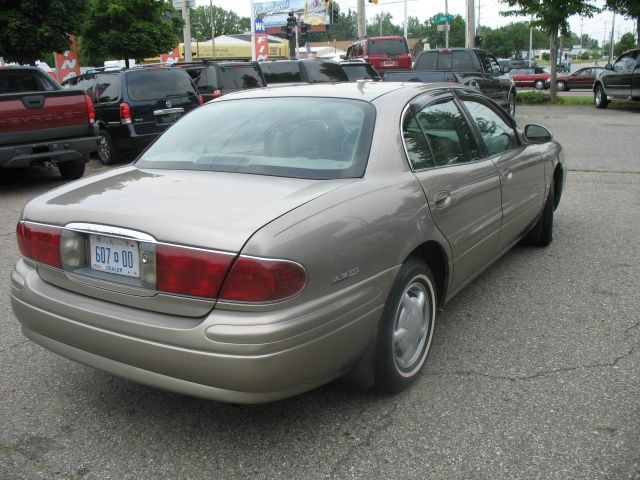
{"x": 291, "y": 25}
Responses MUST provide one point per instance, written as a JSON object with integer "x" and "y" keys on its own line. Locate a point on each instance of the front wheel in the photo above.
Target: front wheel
{"x": 406, "y": 329}
{"x": 600, "y": 97}
{"x": 541, "y": 234}
{"x": 539, "y": 85}
{"x": 511, "y": 105}
{"x": 562, "y": 86}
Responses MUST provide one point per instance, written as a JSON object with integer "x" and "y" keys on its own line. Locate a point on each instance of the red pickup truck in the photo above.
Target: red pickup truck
{"x": 40, "y": 123}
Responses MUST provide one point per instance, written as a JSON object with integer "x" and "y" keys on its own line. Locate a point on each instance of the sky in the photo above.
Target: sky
{"x": 489, "y": 13}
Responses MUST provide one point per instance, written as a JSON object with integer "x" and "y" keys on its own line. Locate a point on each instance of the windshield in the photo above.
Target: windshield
{"x": 324, "y": 138}
{"x": 158, "y": 84}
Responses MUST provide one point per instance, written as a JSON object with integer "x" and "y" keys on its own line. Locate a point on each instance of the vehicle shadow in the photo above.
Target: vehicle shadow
{"x": 37, "y": 177}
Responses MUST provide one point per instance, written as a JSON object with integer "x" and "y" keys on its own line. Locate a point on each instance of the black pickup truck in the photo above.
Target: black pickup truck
{"x": 467, "y": 66}
{"x": 620, "y": 80}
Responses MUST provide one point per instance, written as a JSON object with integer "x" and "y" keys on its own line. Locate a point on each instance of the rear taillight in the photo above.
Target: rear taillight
{"x": 90, "y": 109}
{"x": 200, "y": 100}
{"x": 216, "y": 94}
{"x": 125, "y": 113}
{"x": 262, "y": 280}
{"x": 40, "y": 243}
{"x": 189, "y": 271}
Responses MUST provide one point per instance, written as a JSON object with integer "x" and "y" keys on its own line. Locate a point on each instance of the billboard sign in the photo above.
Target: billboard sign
{"x": 274, "y": 13}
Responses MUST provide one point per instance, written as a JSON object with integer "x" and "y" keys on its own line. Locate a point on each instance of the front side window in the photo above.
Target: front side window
{"x": 448, "y": 133}
{"x": 497, "y": 135}
{"x": 621, "y": 64}
{"x": 322, "y": 138}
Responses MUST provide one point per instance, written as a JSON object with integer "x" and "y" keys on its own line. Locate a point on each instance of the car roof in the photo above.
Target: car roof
{"x": 365, "y": 90}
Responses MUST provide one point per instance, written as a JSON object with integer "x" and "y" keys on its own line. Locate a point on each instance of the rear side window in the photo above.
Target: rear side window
{"x": 107, "y": 88}
{"x": 320, "y": 72}
{"x": 281, "y": 72}
{"x": 363, "y": 71}
{"x": 390, "y": 46}
{"x": 158, "y": 84}
{"x": 240, "y": 77}
{"x": 24, "y": 81}
{"x": 322, "y": 138}
{"x": 456, "y": 61}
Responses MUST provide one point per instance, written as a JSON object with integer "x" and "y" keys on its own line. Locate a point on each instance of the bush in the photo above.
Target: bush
{"x": 585, "y": 56}
{"x": 546, "y": 56}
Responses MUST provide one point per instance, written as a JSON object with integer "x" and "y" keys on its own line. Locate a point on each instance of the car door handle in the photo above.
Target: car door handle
{"x": 442, "y": 199}
{"x": 506, "y": 175}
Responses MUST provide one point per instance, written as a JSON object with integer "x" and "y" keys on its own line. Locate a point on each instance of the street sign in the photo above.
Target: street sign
{"x": 177, "y": 4}
{"x": 443, "y": 18}
{"x": 443, "y": 28}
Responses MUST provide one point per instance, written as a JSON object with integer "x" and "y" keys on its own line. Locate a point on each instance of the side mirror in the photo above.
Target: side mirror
{"x": 506, "y": 69}
{"x": 537, "y": 134}
{"x": 608, "y": 66}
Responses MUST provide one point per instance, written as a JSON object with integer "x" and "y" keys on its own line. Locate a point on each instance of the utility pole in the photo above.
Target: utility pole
{"x": 213, "y": 31}
{"x": 186, "y": 31}
{"x": 531, "y": 42}
{"x": 471, "y": 24}
{"x": 613, "y": 27}
{"x": 581, "y": 21}
{"x": 406, "y": 27}
{"x": 604, "y": 39}
{"x": 446, "y": 24}
{"x": 362, "y": 20}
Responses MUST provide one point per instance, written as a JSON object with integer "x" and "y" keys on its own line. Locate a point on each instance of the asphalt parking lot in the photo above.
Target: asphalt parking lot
{"x": 535, "y": 371}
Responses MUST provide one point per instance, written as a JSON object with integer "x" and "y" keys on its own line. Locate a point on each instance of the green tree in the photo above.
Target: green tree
{"x": 512, "y": 39}
{"x": 627, "y": 42}
{"x": 628, "y": 8}
{"x": 125, "y": 29}
{"x": 437, "y": 39}
{"x": 31, "y": 28}
{"x": 552, "y": 17}
{"x": 382, "y": 25}
{"x": 226, "y": 22}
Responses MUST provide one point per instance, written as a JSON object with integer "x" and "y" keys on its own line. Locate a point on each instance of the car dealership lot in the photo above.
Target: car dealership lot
{"x": 534, "y": 372}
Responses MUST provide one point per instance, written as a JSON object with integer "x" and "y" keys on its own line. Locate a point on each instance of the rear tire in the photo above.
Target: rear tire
{"x": 71, "y": 171}
{"x": 406, "y": 329}
{"x": 600, "y": 97}
{"x": 541, "y": 234}
{"x": 539, "y": 85}
{"x": 107, "y": 151}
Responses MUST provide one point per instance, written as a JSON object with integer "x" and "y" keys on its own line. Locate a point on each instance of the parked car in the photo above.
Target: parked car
{"x": 41, "y": 123}
{"x": 134, "y": 106}
{"x": 214, "y": 78}
{"x": 620, "y": 80}
{"x": 360, "y": 71}
{"x": 302, "y": 71}
{"x": 306, "y": 233}
{"x": 582, "y": 78}
{"x": 537, "y": 77}
{"x": 467, "y": 66}
{"x": 384, "y": 53}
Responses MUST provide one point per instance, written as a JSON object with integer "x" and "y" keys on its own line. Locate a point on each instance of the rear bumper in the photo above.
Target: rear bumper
{"x": 213, "y": 357}
{"x": 56, "y": 151}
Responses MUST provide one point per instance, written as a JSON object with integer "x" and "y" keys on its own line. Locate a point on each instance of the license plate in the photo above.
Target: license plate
{"x": 115, "y": 255}
{"x": 389, "y": 64}
{"x": 170, "y": 117}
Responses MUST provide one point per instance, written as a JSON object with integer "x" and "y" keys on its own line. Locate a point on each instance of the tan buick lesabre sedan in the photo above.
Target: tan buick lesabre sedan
{"x": 274, "y": 240}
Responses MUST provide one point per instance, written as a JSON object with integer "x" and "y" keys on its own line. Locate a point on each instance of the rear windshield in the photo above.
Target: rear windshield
{"x": 240, "y": 77}
{"x": 321, "y": 138}
{"x": 17, "y": 81}
{"x": 281, "y": 72}
{"x": 395, "y": 46}
{"x": 456, "y": 61}
{"x": 158, "y": 84}
{"x": 322, "y": 72}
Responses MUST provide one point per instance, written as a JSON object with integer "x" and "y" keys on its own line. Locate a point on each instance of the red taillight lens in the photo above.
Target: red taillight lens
{"x": 90, "y": 109}
{"x": 125, "y": 113}
{"x": 216, "y": 94}
{"x": 188, "y": 271}
{"x": 40, "y": 243}
{"x": 200, "y": 100}
{"x": 261, "y": 280}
